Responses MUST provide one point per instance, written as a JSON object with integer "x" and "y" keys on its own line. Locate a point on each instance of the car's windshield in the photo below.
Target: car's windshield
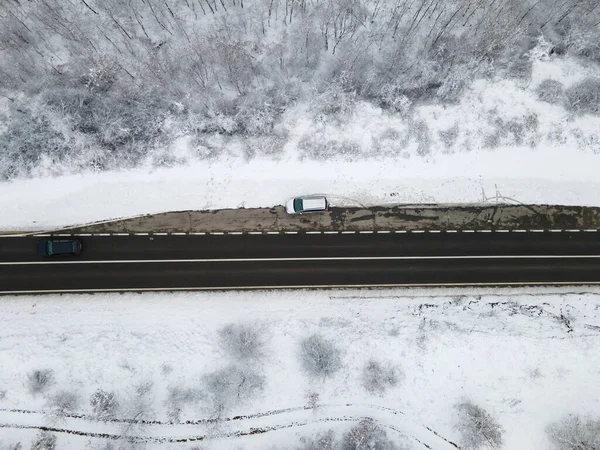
{"x": 297, "y": 204}
{"x": 49, "y": 247}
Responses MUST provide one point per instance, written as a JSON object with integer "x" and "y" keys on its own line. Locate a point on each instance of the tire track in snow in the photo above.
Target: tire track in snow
{"x": 424, "y": 432}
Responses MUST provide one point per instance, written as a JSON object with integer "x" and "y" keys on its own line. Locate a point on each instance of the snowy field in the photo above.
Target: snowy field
{"x": 499, "y": 140}
{"x": 130, "y": 370}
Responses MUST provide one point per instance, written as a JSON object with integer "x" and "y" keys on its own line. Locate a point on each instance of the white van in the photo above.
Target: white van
{"x": 308, "y": 204}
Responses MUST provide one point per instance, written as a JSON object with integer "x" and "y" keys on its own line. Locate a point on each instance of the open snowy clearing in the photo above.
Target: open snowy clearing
{"x": 505, "y": 142}
{"x": 528, "y": 357}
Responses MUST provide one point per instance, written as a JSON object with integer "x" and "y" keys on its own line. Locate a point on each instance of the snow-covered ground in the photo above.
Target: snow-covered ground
{"x": 500, "y": 138}
{"x": 528, "y": 357}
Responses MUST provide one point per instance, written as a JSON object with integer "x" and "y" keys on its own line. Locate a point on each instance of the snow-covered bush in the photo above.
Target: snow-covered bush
{"x": 312, "y": 398}
{"x": 243, "y": 341}
{"x": 454, "y": 85}
{"x": 477, "y": 427}
{"x": 271, "y": 145}
{"x": 584, "y": 97}
{"x": 520, "y": 68}
{"x": 492, "y": 140}
{"x": 177, "y": 398}
{"x": 229, "y": 386}
{"x": 587, "y": 139}
{"x": 100, "y": 73}
{"x": 40, "y": 380}
{"x": 11, "y": 446}
{"x": 583, "y": 41}
{"x": 333, "y": 103}
{"x": 321, "y": 441}
{"x": 62, "y": 403}
{"x": 550, "y": 91}
{"x": 139, "y": 407}
{"x": 449, "y": 136}
{"x": 256, "y": 119}
{"x": 44, "y": 441}
{"x": 367, "y": 435}
{"x": 391, "y": 142}
{"x": 419, "y": 131}
{"x": 575, "y": 433}
{"x": 124, "y": 122}
{"x": 109, "y": 446}
{"x": 104, "y": 404}
{"x": 317, "y": 146}
{"x": 206, "y": 148}
{"x": 319, "y": 356}
{"x": 516, "y": 131}
{"x": 257, "y": 113}
{"x": 28, "y": 138}
{"x": 377, "y": 378}
{"x": 391, "y": 97}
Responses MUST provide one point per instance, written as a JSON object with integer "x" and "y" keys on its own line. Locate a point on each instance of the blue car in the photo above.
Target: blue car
{"x": 62, "y": 247}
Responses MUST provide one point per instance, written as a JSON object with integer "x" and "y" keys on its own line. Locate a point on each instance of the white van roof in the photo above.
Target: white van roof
{"x": 314, "y": 203}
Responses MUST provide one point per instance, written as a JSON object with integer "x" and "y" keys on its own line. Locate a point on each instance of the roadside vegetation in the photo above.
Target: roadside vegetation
{"x": 100, "y": 84}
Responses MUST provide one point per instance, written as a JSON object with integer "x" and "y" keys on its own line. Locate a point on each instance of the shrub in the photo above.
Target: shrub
{"x": 13, "y": 446}
{"x": 391, "y": 97}
{"x": 63, "y": 403}
{"x": 454, "y": 84}
{"x": 492, "y": 140}
{"x": 242, "y": 341}
{"x": 100, "y": 74}
{"x": 319, "y": 148}
{"x": 106, "y": 446}
{"x": 477, "y": 427}
{"x": 207, "y": 148}
{"x": 334, "y": 101}
{"x": 104, "y": 404}
{"x": 257, "y": 113}
{"x": 40, "y": 380}
{"x": 177, "y": 398}
{"x": 575, "y": 433}
{"x": 313, "y": 399}
{"x": 319, "y": 357}
{"x": 140, "y": 409}
{"x": 366, "y": 435}
{"x": 584, "y": 97}
{"x": 449, "y": 136}
{"x": 512, "y": 132}
{"x": 376, "y": 378}
{"x": 419, "y": 131}
{"x": 27, "y": 139}
{"x": 587, "y": 140}
{"x": 44, "y": 441}
{"x": 584, "y": 43}
{"x": 390, "y": 142}
{"x": 520, "y": 68}
{"x": 322, "y": 441}
{"x": 228, "y": 386}
{"x": 123, "y": 123}
{"x": 271, "y": 145}
{"x": 550, "y": 91}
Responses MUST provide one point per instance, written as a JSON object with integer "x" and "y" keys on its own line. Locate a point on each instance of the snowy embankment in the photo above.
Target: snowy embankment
{"x": 403, "y": 359}
{"x": 500, "y": 140}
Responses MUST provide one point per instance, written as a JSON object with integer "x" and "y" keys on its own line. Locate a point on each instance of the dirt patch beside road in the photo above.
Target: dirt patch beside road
{"x": 401, "y": 217}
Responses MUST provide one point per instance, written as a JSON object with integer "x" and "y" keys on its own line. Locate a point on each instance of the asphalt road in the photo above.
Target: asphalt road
{"x": 303, "y": 260}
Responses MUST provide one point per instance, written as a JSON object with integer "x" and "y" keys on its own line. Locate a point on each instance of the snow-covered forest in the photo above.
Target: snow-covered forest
{"x": 102, "y": 84}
